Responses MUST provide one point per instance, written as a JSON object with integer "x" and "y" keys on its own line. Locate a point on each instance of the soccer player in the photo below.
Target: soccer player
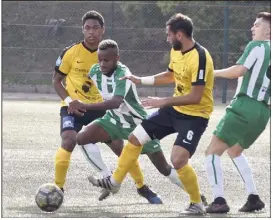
{"x": 124, "y": 112}
{"x": 187, "y": 112}
{"x": 73, "y": 65}
{"x": 246, "y": 117}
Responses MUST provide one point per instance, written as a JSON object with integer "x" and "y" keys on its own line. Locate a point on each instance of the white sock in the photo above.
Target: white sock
{"x": 245, "y": 172}
{"x": 174, "y": 178}
{"x": 215, "y": 175}
{"x": 114, "y": 182}
{"x": 93, "y": 156}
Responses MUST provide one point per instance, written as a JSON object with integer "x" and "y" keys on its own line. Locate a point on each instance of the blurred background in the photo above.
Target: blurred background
{"x": 34, "y": 33}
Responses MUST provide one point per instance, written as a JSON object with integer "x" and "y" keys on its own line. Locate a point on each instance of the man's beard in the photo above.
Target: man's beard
{"x": 177, "y": 45}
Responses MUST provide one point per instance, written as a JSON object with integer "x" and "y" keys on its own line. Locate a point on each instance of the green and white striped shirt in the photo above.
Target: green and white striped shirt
{"x": 130, "y": 112}
{"x": 256, "y": 82}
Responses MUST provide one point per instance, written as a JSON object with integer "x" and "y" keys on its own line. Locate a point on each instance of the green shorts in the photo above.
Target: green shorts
{"x": 244, "y": 121}
{"x": 116, "y": 131}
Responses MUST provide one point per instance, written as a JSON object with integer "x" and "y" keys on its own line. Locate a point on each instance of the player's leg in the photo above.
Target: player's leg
{"x": 103, "y": 130}
{"x": 253, "y": 203}
{"x": 116, "y": 132}
{"x": 91, "y": 150}
{"x": 133, "y": 148}
{"x": 153, "y": 150}
{"x": 87, "y": 139}
{"x": 157, "y": 126}
{"x": 241, "y": 163}
{"x": 257, "y": 118}
{"x": 159, "y": 161}
{"x": 243, "y": 122}
{"x": 190, "y": 129}
{"x": 227, "y": 133}
{"x": 69, "y": 128}
{"x": 215, "y": 175}
{"x": 224, "y": 136}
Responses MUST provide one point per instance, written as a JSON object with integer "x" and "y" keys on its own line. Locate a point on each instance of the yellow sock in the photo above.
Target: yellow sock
{"x": 188, "y": 177}
{"x": 128, "y": 157}
{"x": 137, "y": 175}
{"x": 62, "y": 160}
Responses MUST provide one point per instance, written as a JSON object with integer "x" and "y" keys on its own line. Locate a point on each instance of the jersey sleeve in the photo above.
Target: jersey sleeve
{"x": 63, "y": 63}
{"x": 122, "y": 86}
{"x": 200, "y": 70}
{"x": 249, "y": 57}
{"x": 170, "y": 66}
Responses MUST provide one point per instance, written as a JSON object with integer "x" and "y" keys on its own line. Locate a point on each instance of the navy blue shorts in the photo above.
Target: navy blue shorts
{"x": 167, "y": 121}
{"x": 75, "y": 122}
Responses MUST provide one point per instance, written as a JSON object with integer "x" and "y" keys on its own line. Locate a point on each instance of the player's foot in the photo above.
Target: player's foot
{"x": 253, "y": 203}
{"x": 219, "y": 205}
{"x": 104, "y": 194}
{"x": 204, "y": 201}
{"x": 150, "y": 195}
{"x": 104, "y": 183}
{"x": 194, "y": 209}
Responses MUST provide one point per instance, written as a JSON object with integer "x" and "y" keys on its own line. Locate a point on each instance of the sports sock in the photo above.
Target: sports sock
{"x": 93, "y": 156}
{"x": 128, "y": 157}
{"x": 215, "y": 175}
{"x": 62, "y": 160}
{"x": 245, "y": 172}
{"x": 174, "y": 178}
{"x": 137, "y": 174}
{"x": 188, "y": 178}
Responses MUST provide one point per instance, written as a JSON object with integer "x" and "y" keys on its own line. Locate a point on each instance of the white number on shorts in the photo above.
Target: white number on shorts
{"x": 190, "y": 135}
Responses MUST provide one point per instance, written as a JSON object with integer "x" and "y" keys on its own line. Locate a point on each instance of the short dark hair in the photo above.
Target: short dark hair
{"x": 106, "y": 44}
{"x": 180, "y": 22}
{"x": 93, "y": 15}
{"x": 265, "y": 15}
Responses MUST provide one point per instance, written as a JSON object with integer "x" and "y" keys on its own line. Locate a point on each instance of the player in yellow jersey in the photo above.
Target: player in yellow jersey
{"x": 187, "y": 112}
{"x": 73, "y": 65}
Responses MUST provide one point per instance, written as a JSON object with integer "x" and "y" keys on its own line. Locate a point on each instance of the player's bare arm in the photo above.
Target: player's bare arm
{"x": 76, "y": 106}
{"x": 193, "y": 98}
{"x": 57, "y": 82}
{"x": 158, "y": 79}
{"x": 232, "y": 72}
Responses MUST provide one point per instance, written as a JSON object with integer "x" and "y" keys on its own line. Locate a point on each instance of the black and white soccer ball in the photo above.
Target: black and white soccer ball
{"x": 49, "y": 197}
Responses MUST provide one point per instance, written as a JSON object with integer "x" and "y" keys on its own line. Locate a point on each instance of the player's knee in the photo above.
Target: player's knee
{"x": 160, "y": 162}
{"x": 164, "y": 169}
{"x": 179, "y": 162}
{"x": 69, "y": 144}
{"x": 80, "y": 139}
{"x": 84, "y": 137}
{"x": 69, "y": 141}
{"x": 235, "y": 151}
{"x": 139, "y": 136}
{"x": 217, "y": 146}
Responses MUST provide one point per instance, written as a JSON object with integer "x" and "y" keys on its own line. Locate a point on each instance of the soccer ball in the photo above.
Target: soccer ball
{"x": 49, "y": 197}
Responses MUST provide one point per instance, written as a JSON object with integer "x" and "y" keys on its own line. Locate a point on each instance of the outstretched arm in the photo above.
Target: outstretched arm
{"x": 232, "y": 72}
{"x": 193, "y": 98}
{"x": 105, "y": 105}
{"x": 163, "y": 78}
{"x": 76, "y": 106}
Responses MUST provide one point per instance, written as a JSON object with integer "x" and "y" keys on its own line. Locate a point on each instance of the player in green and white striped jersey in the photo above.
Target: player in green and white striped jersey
{"x": 130, "y": 112}
{"x": 246, "y": 117}
{"x": 124, "y": 111}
